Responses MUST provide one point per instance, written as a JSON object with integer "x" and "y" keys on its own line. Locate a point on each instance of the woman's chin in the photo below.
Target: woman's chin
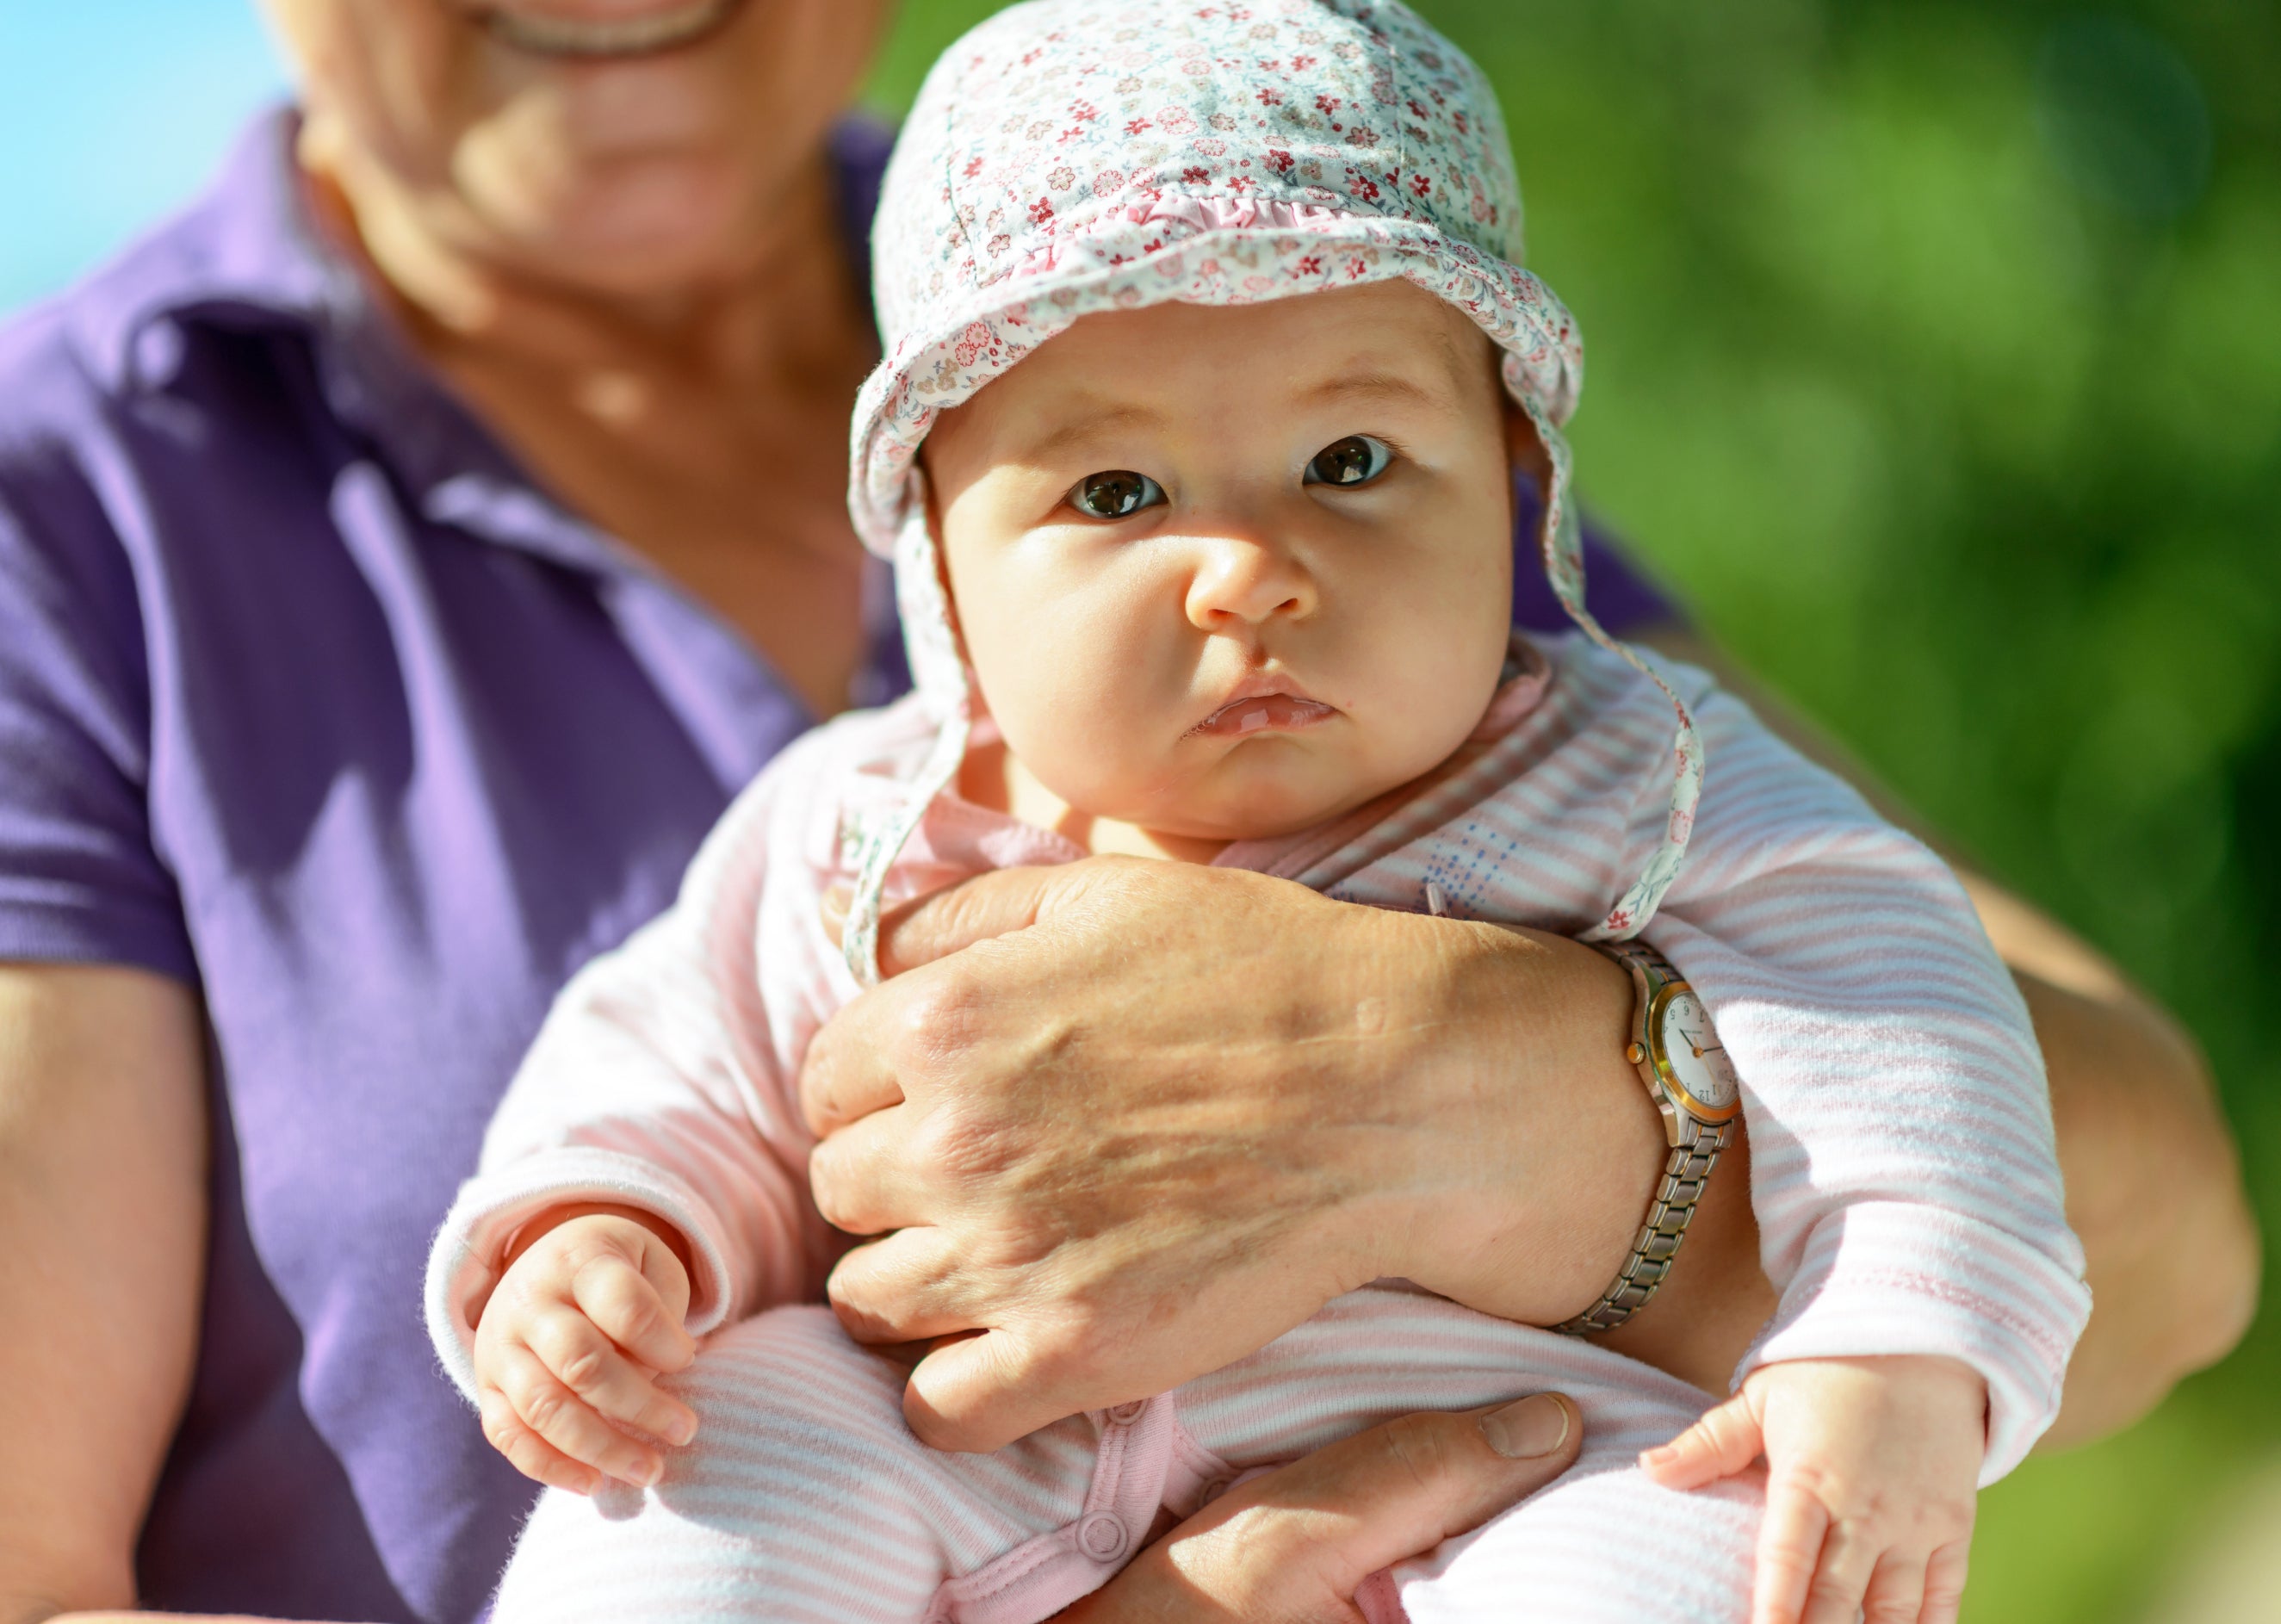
{"x": 633, "y": 228}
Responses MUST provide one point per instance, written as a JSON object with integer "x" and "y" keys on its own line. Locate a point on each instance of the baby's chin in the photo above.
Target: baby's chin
{"x": 1263, "y": 800}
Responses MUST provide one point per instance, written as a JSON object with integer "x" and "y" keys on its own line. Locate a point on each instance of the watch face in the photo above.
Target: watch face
{"x": 1693, "y": 1058}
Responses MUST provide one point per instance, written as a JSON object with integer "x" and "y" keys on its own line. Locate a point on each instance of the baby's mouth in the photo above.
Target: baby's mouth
{"x": 1263, "y": 713}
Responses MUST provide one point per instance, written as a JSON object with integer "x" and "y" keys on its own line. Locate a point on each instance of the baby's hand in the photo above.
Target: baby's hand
{"x": 1872, "y": 1466}
{"x": 569, "y": 1347}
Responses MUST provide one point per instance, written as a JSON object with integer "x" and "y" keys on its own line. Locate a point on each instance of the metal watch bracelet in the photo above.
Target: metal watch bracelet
{"x": 1686, "y": 1170}
{"x": 1685, "y": 1173}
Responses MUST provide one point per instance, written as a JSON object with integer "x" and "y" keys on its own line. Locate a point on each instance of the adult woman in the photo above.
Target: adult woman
{"x": 369, "y": 723}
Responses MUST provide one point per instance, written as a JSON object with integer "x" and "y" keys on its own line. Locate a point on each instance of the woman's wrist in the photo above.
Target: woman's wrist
{"x": 1546, "y": 1146}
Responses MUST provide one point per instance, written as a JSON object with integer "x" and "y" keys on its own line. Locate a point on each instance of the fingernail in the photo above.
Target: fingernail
{"x": 684, "y": 1430}
{"x": 1533, "y": 1428}
{"x": 1657, "y": 1456}
{"x": 646, "y": 1473}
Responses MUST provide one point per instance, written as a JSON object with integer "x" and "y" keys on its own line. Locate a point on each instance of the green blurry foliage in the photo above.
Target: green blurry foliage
{"x": 1935, "y": 360}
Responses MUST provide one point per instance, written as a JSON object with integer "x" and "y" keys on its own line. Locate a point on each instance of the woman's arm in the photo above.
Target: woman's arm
{"x": 103, "y": 1157}
{"x": 2153, "y": 1183}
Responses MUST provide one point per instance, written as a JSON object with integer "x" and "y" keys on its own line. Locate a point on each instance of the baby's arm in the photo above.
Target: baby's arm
{"x": 1903, "y": 1170}
{"x": 644, "y": 1179}
{"x": 1904, "y": 1178}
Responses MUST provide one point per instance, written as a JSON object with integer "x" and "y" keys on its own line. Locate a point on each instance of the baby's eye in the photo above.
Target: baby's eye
{"x": 1118, "y": 494}
{"x": 1354, "y": 460}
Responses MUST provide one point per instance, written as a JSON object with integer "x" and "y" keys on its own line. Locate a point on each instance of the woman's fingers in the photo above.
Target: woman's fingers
{"x": 898, "y": 1289}
{"x": 1298, "y": 1542}
{"x": 948, "y": 921}
{"x": 850, "y": 1071}
{"x": 1724, "y": 1441}
{"x": 558, "y": 1415}
{"x": 861, "y": 1177}
{"x": 847, "y": 1074}
{"x": 979, "y": 1393}
{"x": 1790, "y": 1538}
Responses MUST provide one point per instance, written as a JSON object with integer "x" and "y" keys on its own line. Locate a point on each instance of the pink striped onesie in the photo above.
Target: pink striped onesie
{"x": 1070, "y": 157}
{"x": 1901, "y": 1159}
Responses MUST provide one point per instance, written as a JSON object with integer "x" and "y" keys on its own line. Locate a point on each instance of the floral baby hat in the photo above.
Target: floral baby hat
{"x": 1073, "y": 156}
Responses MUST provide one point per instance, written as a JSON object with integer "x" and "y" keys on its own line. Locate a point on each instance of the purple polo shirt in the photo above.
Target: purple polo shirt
{"x": 312, "y": 699}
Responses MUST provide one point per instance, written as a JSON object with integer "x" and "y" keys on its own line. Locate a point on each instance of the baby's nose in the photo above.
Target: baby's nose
{"x": 1248, "y": 580}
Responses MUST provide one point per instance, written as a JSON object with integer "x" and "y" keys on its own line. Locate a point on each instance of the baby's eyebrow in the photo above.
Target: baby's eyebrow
{"x": 1084, "y": 422}
{"x": 1391, "y": 387}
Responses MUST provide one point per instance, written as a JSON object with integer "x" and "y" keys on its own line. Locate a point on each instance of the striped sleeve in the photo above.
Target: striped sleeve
{"x": 662, "y": 1080}
{"x": 1903, "y": 1165}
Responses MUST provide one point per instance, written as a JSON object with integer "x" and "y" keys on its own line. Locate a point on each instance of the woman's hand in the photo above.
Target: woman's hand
{"x": 1293, "y": 1546}
{"x": 1157, "y": 1114}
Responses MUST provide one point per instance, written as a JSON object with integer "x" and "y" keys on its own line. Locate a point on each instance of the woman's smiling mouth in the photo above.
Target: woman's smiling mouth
{"x": 651, "y": 29}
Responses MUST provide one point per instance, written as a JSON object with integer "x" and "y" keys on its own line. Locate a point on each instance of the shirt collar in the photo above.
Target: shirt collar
{"x": 248, "y": 258}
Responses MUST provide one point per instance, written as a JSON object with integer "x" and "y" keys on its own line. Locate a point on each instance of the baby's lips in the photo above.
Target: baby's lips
{"x": 1281, "y": 713}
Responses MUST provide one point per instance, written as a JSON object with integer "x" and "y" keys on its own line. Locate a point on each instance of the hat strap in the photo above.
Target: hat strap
{"x": 1562, "y": 542}
{"x": 938, "y": 671}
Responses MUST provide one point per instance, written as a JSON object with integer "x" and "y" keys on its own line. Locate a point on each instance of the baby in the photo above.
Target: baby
{"x": 1209, "y": 364}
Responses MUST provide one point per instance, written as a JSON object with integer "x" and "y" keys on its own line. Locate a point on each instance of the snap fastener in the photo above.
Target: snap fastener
{"x": 1104, "y": 1537}
{"x": 1126, "y": 1414}
{"x": 1218, "y": 1487}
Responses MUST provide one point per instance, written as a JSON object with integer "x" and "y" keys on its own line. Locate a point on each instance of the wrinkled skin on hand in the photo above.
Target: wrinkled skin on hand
{"x": 1129, "y": 1135}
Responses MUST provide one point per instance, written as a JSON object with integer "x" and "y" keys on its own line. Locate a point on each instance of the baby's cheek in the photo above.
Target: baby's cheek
{"x": 1081, "y": 702}
{"x": 1442, "y": 674}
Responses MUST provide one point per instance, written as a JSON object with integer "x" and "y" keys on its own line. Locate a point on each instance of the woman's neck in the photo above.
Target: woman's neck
{"x": 704, "y": 427}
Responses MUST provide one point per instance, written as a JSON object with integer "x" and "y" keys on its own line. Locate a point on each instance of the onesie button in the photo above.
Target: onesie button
{"x": 1125, "y": 1415}
{"x": 1103, "y": 1537}
{"x": 1214, "y": 1489}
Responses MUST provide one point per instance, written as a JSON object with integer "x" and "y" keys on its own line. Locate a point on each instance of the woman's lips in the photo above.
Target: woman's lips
{"x": 589, "y": 30}
{"x": 1263, "y": 713}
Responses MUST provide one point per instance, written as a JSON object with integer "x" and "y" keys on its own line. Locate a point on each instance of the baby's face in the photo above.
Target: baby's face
{"x": 1224, "y": 573}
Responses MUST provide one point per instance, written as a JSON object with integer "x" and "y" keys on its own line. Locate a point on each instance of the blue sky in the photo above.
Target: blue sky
{"x": 111, "y": 111}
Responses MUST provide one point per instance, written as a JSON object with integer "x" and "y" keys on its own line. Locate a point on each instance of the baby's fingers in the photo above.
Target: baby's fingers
{"x": 1944, "y": 1585}
{"x": 629, "y": 1310}
{"x": 565, "y": 1420}
{"x": 1896, "y": 1589}
{"x": 1849, "y": 1560}
{"x": 1724, "y": 1441}
{"x": 1789, "y": 1550}
{"x": 613, "y": 1387}
{"x": 528, "y": 1452}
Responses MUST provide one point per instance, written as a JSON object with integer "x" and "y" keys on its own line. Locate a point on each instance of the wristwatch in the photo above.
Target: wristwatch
{"x": 1693, "y": 1085}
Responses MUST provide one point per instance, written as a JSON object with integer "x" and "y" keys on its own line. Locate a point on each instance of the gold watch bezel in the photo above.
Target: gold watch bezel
{"x": 1652, "y": 1039}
